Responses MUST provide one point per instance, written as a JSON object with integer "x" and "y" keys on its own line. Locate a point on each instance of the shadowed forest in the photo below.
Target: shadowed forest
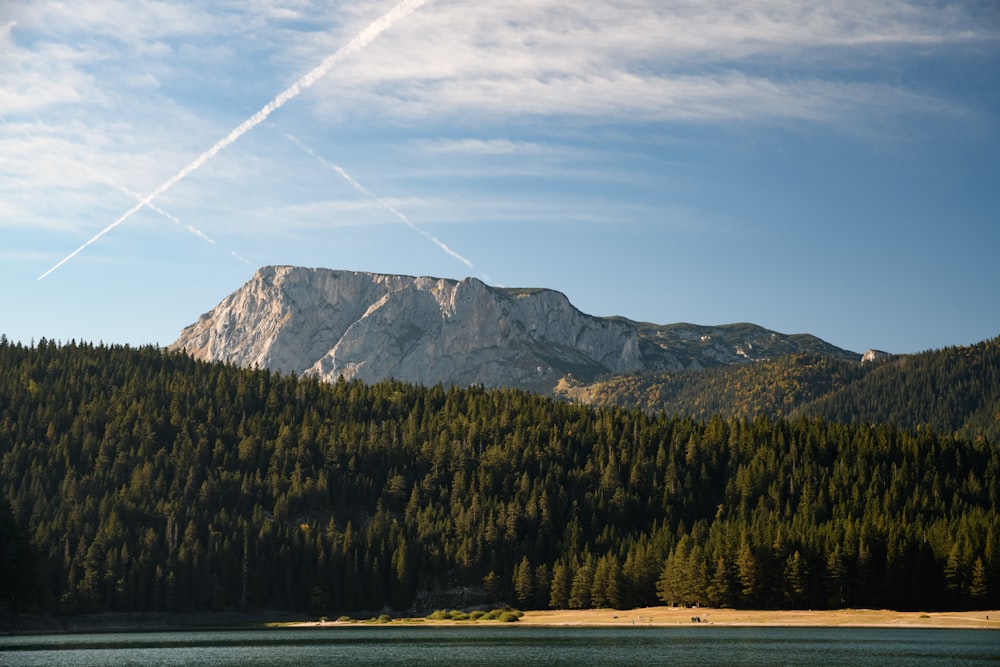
{"x": 136, "y": 480}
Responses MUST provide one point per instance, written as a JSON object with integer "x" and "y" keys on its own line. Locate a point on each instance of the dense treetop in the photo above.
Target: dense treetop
{"x": 134, "y": 479}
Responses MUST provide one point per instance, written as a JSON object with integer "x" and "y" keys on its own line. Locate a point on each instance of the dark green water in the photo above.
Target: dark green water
{"x": 511, "y": 645}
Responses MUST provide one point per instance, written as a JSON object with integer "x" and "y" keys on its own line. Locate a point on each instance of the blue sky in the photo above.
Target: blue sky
{"x": 827, "y": 168}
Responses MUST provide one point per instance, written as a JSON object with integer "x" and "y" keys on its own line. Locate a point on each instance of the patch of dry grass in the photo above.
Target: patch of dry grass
{"x": 832, "y": 618}
{"x": 672, "y": 616}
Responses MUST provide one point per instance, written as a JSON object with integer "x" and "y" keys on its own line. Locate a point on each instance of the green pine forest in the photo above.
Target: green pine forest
{"x": 134, "y": 479}
{"x": 954, "y": 390}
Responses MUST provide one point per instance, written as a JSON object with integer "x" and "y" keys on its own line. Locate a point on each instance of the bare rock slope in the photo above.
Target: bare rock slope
{"x": 428, "y": 330}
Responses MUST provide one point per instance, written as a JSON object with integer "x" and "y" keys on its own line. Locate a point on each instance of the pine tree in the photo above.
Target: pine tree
{"x": 491, "y": 585}
{"x": 543, "y": 586}
{"x": 836, "y": 578}
{"x": 583, "y": 583}
{"x": 560, "y": 586}
{"x": 746, "y": 565}
{"x": 720, "y": 588}
{"x": 979, "y": 585}
{"x": 599, "y": 585}
{"x": 524, "y": 583}
{"x": 795, "y": 577}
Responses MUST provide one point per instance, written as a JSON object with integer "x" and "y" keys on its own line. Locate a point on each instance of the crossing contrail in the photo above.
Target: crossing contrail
{"x": 134, "y": 195}
{"x": 378, "y": 200}
{"x": 362, "y": 39}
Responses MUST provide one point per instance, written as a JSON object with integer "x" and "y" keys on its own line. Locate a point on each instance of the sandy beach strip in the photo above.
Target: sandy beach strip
{"x": 672, "y": 616}
{"x": 677, "y": 616}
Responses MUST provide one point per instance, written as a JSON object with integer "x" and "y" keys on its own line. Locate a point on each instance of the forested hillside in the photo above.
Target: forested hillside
{"x": 775, "y": 388}
{"x": 954, "y": 390}
{"x": 143, "y": 480}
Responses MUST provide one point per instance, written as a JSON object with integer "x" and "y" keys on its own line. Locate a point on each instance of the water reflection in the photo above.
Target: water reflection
{"x": 510, "y": 645}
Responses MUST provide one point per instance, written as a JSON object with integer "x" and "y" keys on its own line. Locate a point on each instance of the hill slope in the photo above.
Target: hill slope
{"x": 954, "y": 390}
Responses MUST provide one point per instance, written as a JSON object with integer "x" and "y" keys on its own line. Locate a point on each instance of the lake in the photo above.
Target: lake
{"x": 510, "y": 645}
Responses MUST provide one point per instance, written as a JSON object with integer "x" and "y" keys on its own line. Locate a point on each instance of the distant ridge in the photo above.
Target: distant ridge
{"x": 425, "y": 330}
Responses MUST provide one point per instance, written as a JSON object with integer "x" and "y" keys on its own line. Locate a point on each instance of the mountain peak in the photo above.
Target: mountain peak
{"x": 428, "y": 330}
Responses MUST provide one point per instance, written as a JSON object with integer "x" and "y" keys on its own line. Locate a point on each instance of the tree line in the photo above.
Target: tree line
{"x": 135, "y": 479}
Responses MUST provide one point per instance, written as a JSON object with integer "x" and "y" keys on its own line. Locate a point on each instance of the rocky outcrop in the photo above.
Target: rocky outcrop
{"x": 871, "y": 356}
{"x": 426, "y": 330}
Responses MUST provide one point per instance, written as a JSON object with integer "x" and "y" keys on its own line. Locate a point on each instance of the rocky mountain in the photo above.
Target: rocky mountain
{"x": 429, "y": 330}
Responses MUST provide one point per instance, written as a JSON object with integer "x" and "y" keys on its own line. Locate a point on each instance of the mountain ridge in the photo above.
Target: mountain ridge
{"x": 428, "y": 330}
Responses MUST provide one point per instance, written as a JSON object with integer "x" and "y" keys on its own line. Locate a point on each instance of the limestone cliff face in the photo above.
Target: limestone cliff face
{"x": 425, "y": 330}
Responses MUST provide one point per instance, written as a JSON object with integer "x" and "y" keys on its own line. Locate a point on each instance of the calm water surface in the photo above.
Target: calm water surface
{"x": 511, "y": 645}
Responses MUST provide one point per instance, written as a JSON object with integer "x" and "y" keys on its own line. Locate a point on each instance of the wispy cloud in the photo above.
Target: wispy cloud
{"x": 133, "y": 89}
{"x": 690, "y": 61}
{"x": 307, "y": 80}
{"x": 681, "y": 60}
{"x": 135, "y": 25}
{"x": 474, "y": 146}
{"x": 5, "y": 32}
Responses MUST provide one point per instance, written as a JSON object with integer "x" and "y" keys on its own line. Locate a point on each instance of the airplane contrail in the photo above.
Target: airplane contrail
{"x": 121, "y": 188}
{"x": 381, "y": 202}
{"x": 362, "y": 39}
{"x": 172, "y": 218}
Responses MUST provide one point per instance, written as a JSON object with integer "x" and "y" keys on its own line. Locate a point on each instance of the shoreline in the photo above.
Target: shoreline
{"x": 694, "y": 617}
{"x": 594, "y": 618}
{"x": 859, "y": 618}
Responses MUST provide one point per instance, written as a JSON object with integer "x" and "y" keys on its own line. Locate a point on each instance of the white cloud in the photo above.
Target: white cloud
{"x": 657, "y": 59}
{"x": 128, "y": 21}
{"x": 482, "y": 146}
{"x": 127, "y": 91}
{"x": 25, "y": 255}
{"x": 645, "y": 59}
{"x": 5, "y": 32}
{"x": 360, "y": 203}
